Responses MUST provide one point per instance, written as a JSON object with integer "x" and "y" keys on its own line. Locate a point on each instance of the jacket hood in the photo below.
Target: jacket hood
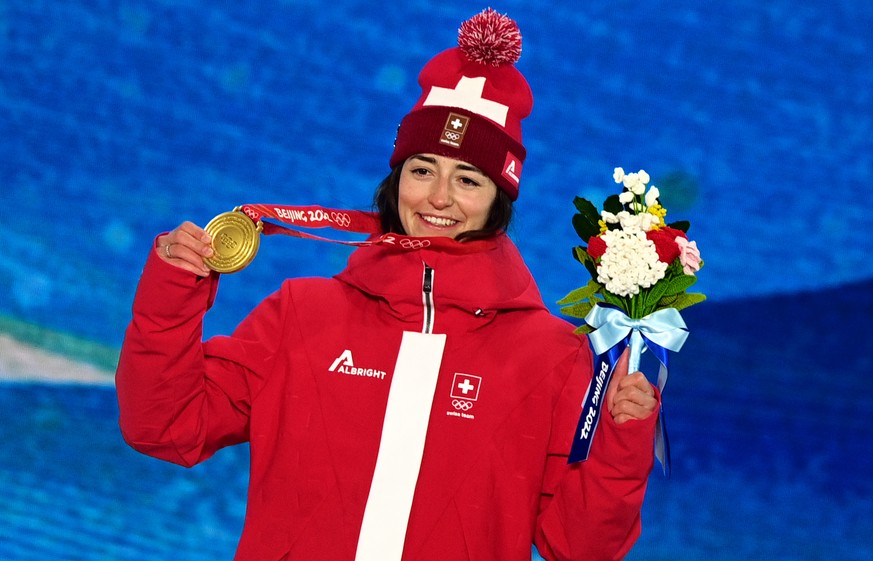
{"x": 479, "y": 278}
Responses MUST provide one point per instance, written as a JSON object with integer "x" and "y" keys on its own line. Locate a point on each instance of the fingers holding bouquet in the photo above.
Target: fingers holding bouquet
{"x": 629, "y": 396}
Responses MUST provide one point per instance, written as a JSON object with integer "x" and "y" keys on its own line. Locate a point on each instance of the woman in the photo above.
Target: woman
{"x": 421, "y": 403}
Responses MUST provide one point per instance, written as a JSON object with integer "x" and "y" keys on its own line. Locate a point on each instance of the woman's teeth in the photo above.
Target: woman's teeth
{"x": 439, "y": 221}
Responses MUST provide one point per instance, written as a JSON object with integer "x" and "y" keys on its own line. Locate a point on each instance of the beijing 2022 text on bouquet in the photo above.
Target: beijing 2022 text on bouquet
{"x": 641, "y": 268}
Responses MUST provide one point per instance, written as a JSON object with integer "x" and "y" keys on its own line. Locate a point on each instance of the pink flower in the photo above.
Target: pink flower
{"x": 689, "y": 255}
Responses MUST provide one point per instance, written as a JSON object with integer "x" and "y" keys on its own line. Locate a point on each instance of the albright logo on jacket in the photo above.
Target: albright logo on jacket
{"x": 345, "y": 364}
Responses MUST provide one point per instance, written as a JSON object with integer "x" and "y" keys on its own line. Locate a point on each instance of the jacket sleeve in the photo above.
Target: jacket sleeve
{"x": 179, "y": 399}
{"x": 591, "y": 510}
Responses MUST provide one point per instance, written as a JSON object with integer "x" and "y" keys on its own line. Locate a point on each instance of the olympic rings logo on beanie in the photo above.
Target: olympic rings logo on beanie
{"x": 472, "y": 103}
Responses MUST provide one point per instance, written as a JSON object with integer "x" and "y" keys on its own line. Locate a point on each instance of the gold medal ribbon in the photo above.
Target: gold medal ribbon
{"x": 236, "y": 234}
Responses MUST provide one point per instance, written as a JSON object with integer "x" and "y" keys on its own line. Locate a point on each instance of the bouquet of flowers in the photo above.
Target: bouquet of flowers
{"x": 641, "y": 268}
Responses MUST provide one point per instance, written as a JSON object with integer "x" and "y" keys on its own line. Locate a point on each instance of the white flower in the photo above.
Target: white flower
{"x": 630, "y": 263}
{"x": 628, "y": 221}
{"x": 652, "y": 196}
{"x": 618, "y": 175}
{"x": 642, "y": 222}
{"x": 648, "y": 221}
{"x": 644, "y": 177}
{"x": 633, "y": 184}
{"x": 625, "y": 197}
{"x": 608, "y": 217}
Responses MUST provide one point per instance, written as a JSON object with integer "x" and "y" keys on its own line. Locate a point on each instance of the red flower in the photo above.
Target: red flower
{"x": 596, "y": 247}
{"x": 665, "y": 243}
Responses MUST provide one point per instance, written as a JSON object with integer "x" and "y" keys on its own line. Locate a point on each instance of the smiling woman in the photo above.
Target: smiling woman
{"x": 128, "y": 117}
{"x": 440, "y": 196}
{"x": 442, "y": 290}
{"x": 469, "y": 179}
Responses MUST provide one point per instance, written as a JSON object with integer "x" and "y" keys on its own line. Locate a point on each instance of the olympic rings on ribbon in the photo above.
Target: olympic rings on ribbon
{"x": 340, "y": 218}
{"x": 462, "y": 405}
{"x": 407, "y": 243}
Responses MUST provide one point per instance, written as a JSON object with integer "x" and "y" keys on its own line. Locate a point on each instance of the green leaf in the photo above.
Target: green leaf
{"x": 592, "y": 268}
{"x": 583, "y": 257}
{"x": 586, "y": 207}
{"x": 583, "y": 329}
{"x": 585, "y": 227}
{"x": 674, "y": 269}
{"x": 582, "y": 293}
{"x": 679, "y": 284}
{"x": 680, "y": 225}
{"x": 617, "y": 301}
{"x": 585, "y": 222}
{"x": 681, "y": 301}
{"x": 612, "y": 204}
{"x": 689, "y": 299}
{"x": 578, "y": 310}
{"x": 657, "y": 292}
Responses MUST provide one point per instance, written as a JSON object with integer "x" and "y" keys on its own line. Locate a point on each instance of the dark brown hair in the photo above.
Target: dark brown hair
{"x": 385, "y": 203}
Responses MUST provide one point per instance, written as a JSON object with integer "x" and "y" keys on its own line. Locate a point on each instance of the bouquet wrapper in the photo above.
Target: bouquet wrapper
{"x": 660, "y": 332}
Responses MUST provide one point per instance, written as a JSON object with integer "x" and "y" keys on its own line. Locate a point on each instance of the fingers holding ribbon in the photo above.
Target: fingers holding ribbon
{"x": 632, "y": 397}
{"x": 186, "y": 247}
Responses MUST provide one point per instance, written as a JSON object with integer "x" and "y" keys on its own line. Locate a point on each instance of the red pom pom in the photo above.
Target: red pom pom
{"x": 490, "y": 38}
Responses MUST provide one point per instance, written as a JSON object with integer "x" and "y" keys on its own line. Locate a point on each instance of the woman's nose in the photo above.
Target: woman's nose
{"x": 440, "y": 193}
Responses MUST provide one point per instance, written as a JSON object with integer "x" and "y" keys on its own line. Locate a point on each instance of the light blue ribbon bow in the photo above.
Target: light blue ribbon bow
{"x": 665, "y": 328}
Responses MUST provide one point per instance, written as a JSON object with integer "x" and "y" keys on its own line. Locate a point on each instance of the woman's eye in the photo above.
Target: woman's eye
{"x": 469, "y": 182}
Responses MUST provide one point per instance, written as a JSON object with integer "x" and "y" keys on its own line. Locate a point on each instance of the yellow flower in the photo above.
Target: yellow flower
{"x": 660, "y": 212}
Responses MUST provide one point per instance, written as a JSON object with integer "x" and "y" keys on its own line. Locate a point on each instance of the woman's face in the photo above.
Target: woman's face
{"x": 441, "y": 196}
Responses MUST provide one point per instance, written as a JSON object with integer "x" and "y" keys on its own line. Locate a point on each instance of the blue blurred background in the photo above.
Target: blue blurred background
{"x": 119, "y": 119}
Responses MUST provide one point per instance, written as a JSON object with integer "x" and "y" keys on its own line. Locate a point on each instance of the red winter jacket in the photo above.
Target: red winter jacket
{"x": 306, "y": 377}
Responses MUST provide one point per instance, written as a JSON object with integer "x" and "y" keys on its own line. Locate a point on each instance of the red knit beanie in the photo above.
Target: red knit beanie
{"x": 472, "y": 103}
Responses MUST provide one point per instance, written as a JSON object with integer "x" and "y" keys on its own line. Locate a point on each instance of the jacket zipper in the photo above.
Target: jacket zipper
{"x": 427, "y": 299}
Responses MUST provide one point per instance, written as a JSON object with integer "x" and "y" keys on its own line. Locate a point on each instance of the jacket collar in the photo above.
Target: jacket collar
{"x": 471, "y": 279}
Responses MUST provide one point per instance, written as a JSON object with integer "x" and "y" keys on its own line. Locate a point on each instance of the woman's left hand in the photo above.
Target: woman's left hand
{"x": 629, "y": 396}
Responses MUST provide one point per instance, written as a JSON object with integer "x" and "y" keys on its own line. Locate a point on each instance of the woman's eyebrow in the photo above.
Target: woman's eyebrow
{"x": 464, "y": 166}
{"x": 424, "y": 159}
{"x": 468, "y": 167}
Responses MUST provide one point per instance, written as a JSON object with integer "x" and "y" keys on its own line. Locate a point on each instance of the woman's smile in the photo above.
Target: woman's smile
{"x": 441, "y": 196}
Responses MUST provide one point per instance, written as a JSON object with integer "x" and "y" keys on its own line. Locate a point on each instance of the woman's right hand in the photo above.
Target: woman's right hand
{"x": 185, "y": 247}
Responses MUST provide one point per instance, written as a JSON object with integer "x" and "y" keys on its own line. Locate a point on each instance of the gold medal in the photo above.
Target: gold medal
{"x": 235, "y": 241}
